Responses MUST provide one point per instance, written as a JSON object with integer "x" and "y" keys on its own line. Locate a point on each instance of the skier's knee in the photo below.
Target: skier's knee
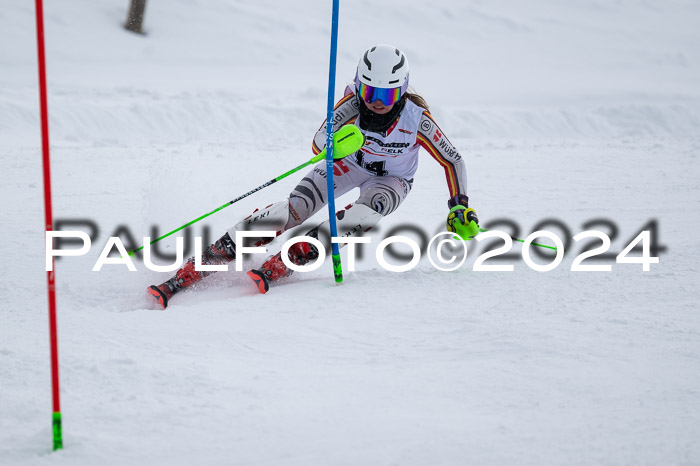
{"x": 385, "y": 197}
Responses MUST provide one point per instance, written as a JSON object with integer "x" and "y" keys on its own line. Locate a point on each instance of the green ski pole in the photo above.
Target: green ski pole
{"x": 347, "y": 140}
{"x": 522, "y": 241}
{"x": 466, "y": 230}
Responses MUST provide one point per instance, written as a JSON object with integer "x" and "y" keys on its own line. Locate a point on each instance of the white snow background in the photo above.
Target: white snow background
{"x": 575, "y": 110}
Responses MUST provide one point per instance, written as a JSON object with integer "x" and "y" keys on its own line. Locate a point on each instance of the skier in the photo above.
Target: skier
{"x": 396, "y": 123}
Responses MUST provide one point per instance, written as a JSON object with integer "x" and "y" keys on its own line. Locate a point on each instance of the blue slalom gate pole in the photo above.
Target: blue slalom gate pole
{"x": 337, "y": 269}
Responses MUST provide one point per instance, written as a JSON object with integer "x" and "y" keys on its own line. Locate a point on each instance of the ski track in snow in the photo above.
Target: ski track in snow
{"x": 573, "y": 111}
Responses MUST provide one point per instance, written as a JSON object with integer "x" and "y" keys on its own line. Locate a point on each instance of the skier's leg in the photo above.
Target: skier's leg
{"x": 221, "y": 252}
{"x": 310, "y": 195}
{"x": 273, "y": 217}
{"x": 305, "y": 200}
{"x": 384, "y": 194}
{"x": 379, "y": 196}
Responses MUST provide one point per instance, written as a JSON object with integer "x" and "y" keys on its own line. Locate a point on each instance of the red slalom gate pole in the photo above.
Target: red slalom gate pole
{"x": 48, "y": 215}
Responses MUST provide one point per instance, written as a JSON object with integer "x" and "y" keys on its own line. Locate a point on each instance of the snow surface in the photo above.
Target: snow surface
{"x": 575, "y": 110}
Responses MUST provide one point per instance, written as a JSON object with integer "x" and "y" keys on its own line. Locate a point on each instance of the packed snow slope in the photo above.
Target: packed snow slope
{"x": 583, "y": 112}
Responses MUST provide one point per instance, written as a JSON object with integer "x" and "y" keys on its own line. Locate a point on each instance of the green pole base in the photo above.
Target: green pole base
{"x": 57, "y": 432}
{"x": 337, "y": 269}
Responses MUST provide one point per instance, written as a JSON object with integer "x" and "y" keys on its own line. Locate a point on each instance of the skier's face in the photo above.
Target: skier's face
{"x": 378, "y": 107}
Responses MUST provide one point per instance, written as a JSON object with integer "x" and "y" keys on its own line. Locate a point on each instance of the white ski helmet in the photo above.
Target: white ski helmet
{"x": 382, "y": 68}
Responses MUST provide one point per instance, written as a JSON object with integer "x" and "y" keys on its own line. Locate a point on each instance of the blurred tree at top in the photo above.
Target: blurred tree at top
{"x": 134, "y": 21}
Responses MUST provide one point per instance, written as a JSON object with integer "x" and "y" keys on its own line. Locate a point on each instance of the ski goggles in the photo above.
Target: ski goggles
{"x": 370, "y": 93}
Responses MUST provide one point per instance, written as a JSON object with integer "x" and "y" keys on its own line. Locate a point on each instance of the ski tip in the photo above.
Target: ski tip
{"x": 159, "y": 296}
{"x": 260, "y": 280}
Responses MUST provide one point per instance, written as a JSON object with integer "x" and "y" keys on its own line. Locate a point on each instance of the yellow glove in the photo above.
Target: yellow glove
{"x": 462, "y": 220}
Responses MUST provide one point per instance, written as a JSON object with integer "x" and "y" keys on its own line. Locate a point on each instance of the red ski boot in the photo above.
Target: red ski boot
{"x": 273, "y": 268}
{"x": 221, "y": 252}
{"x": 161, "y": 294}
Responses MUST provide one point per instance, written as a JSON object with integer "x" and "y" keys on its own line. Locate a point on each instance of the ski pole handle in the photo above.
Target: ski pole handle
{"x": 347, "y": 140}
